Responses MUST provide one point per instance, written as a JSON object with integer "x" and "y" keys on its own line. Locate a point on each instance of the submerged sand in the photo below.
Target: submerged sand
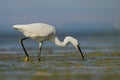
{"x": 63, "y": 66}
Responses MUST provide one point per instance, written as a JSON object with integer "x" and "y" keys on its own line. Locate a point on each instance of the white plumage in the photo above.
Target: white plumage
{"x": 39, "y": 31}
{"x": 44, "y": 32}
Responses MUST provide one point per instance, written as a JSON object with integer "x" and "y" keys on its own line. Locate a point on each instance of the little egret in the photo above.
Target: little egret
{"x": 44, "y": 32}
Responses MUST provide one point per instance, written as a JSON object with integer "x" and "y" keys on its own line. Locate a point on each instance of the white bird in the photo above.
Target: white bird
{"x": 44, "y": 32}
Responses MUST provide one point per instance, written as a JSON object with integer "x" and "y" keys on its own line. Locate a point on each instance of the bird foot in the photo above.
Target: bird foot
{"x": 26, "y": 59}
{"x": 39, "y": 59}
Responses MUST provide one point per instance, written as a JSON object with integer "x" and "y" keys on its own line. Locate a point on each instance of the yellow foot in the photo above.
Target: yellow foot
{"x": 26, "y": 59}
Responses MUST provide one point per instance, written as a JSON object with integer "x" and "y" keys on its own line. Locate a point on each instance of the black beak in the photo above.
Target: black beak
{"x": 80, "y": 51}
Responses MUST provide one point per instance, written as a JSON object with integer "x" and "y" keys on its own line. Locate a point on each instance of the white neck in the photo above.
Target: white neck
{"x": 59, "y": 43}
{"x": 65, "y": 42}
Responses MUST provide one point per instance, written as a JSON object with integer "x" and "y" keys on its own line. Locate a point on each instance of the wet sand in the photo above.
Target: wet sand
{"x": 102, "y": 62}
{"x": 63, "y": 66}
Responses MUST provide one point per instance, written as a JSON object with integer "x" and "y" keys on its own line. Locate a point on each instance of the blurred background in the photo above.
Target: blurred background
{"x": 82, "y": 19}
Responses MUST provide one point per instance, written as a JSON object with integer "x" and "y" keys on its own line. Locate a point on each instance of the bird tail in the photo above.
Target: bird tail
{"x": 18, "y": 27}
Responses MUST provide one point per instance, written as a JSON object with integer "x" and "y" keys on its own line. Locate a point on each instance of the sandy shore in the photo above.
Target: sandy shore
{"x": 63, "y": 66}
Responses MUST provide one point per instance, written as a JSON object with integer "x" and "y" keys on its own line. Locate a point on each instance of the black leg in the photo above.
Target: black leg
{"x": 40, "y": 47}
{"x": 27, "y": 56}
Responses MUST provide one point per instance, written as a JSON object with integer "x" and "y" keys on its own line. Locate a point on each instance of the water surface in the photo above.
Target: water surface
{"x": 102, "y": 60}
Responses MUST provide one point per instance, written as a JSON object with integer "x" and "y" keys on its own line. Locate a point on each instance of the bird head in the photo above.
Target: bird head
{"x": 75, "y": 43}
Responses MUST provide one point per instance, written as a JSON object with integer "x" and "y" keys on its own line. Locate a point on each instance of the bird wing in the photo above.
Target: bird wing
{"x": 39, "y": 30}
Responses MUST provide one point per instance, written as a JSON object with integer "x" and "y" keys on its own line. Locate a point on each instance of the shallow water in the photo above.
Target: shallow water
{"x": 88, "y": 44}
{"x": 102, "y": 60}
{"x": 96, "y": 66}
